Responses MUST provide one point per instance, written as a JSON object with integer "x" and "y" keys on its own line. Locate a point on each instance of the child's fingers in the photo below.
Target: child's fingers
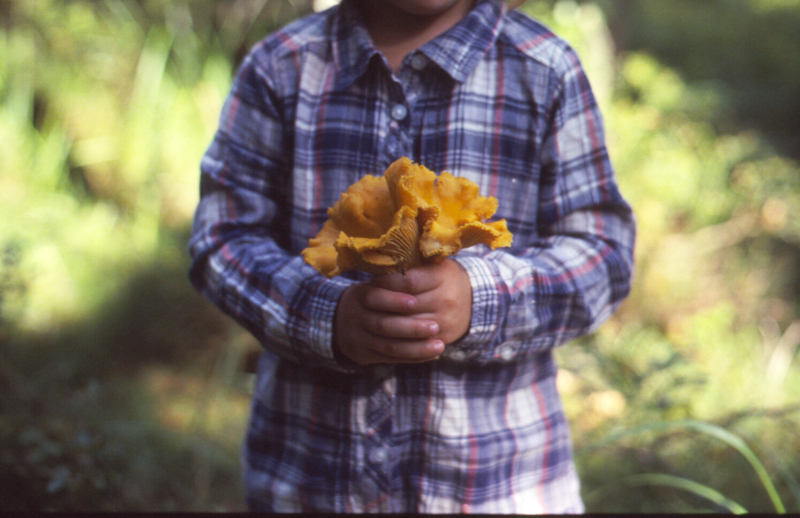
{"x": 417, "y": 280}
{"x": 367, "y": 336}
{"x": 366, "y": 348}
{"x": 385, "y": 300}
{"x": 395, "y": 351}
{"x": 394, "y": 327}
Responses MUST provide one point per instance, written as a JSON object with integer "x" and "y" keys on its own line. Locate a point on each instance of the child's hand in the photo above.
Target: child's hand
{"x": 443, "y": 294}
{"x": 376, "y": 325}
{"x": 404, "y": 318}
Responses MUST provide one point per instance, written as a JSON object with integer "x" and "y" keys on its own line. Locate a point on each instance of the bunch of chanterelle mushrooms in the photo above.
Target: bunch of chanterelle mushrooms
{"x": 405, "y": 218}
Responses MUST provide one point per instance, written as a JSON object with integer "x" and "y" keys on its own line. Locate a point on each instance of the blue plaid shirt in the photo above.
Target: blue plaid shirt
{"x": 497, "y": 99}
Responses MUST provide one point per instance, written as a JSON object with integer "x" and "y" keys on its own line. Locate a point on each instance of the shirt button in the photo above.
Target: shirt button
{"x": 399, "y": 112}
{"x": 506, "y": 352}
{"x": 378, "y": 455}
{"x": 418, "y": 62}
{"x": 457, "y": 354}
{"x": 282, "y": 489}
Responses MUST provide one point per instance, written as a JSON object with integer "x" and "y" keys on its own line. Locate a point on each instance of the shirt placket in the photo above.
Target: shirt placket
{"x": 379, "y": 447}
{"x": 404, "y": 91}
{"x": 383, "y": 453}
{"x": 395, "y": 145}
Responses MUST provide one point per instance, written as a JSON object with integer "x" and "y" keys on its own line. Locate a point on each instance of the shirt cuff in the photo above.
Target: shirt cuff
{"x": 485, "y": 304}
{"x": 321, "y": 326}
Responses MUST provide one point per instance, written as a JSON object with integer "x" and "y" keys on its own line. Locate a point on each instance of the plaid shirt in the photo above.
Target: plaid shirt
{"x": 497, "y": 99}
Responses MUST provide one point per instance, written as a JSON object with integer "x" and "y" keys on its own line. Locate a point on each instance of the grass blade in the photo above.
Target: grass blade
{"x": 703, "y": 491}
{"x": 717, "y": 432}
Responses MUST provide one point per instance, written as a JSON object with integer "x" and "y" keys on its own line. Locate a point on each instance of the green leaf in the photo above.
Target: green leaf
{"x": 717, "y": 432}
{"x": 703, "y": 491}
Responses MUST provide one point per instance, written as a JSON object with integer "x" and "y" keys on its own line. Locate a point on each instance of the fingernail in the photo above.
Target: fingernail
{"x": 438, "y": 345}
{"x": 434, "y": 328}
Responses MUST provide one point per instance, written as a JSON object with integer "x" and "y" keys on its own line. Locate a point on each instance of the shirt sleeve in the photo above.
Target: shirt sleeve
{"x": 578, "y": 269}
{"x": 240, "y": 238}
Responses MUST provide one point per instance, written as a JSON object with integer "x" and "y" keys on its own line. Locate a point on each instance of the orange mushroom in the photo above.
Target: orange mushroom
{"x": 406, "y": 218}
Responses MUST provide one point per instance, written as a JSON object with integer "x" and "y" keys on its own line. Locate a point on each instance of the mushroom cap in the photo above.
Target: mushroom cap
{"x": 403, "y": 219}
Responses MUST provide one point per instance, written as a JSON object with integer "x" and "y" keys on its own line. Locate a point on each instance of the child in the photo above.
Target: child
{"x": 433, "y": 391}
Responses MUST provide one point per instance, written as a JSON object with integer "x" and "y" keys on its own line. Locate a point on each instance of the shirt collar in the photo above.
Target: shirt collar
{"x": 352, "y": 46}
{"x": 457, "y": 51}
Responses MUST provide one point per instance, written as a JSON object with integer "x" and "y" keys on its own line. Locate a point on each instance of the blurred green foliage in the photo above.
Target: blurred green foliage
{"x": 711, "y": 330}
{"x": 746, "y": 49}
{"x": 120, "y": 384}
{"x": 122, "y": 389}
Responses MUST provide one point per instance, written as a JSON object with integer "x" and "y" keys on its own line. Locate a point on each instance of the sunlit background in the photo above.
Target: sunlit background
{"x": 122, "y": 389}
